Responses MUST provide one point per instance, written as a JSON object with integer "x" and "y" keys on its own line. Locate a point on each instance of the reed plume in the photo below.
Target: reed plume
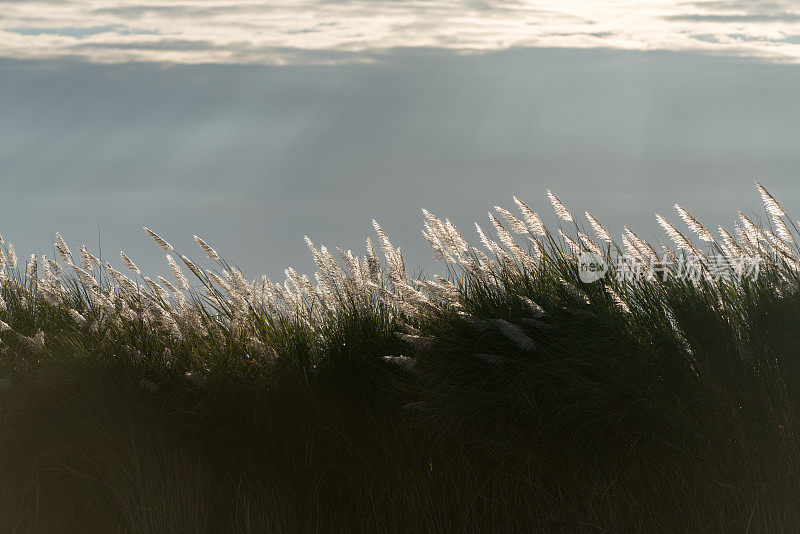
{"x": 158, "y": 239}
{"x": 560, "y": 209}
{"x": 210, "y": 252}
{"x": 771, "y": 205}
{"x": 531, "y": 218}
{"x": 598, "y": 228}
{"x": 694, "y": 225}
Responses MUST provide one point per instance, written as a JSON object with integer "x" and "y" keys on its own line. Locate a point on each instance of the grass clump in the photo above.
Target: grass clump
{"x": 508, "y": 396}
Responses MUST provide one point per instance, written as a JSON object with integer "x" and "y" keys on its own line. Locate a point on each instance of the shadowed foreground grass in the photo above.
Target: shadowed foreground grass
{"x": 610, "y": 426}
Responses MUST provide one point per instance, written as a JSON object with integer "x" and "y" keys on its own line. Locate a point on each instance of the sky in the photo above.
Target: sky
{"x": 248, "y": 31}
{"x": 253, "y": 125}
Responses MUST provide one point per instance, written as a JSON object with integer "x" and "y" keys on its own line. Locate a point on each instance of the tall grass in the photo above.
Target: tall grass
{"x": 506, "y": 396}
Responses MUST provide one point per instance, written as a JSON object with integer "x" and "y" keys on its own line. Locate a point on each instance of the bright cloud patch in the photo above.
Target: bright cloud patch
{"x": 319, "y": 31}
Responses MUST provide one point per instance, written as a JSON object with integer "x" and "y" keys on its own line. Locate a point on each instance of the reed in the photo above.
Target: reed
{"x": 507, "y": 396}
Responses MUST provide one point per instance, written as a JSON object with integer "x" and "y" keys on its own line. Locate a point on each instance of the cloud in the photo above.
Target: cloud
{"x": 756, "y": 17}
{"x": 749, "y": 6}
{"x": 136, "y": 12}
{"x": 161, "y": 44}
{"x": 76, "y": 32}
{"x": 310, "y": 31}
{"x": 739, "y": 11}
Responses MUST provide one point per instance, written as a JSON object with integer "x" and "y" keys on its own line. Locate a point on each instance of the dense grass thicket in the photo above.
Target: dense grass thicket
{"x": 508, "y": 396}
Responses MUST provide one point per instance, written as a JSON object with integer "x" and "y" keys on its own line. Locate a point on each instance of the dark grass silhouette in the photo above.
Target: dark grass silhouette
{"x": 516, "y": 400}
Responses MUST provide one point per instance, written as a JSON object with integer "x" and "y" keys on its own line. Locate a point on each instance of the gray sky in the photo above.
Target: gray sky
{"x": 252, "y": 126}
{"x": 254, "y": 157}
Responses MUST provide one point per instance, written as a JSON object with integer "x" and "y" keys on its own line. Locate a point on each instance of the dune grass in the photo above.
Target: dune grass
{"x": 507, "y": 396}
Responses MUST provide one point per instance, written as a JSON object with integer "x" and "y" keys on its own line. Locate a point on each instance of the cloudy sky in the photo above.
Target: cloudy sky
{"x": 253, "y": 124}
{"x": 242, "y": 31}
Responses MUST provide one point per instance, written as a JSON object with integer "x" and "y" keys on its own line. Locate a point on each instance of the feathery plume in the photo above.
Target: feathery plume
{"x": 779, "y": 245}
{"x": 573, "y": 246}
{"x": 694, "y": 225}
{"x": 177, "y": 273}
{"x": 210, "y": 252}
{"x": 598, "y": 228}
{"x": 85, "y": 277}
{"x": 158, "y": 239}
{"x": 86, "y": 259}
{"x": 439, "y": 250}
{"x": 373, "y": 262}
{"x": 505, "y": 238}
{"x": 668, "y": 255}
{"x": 62, "y": 249}
{"x": 743, "y": 239}
{"x": 642, "y": 245}
{"x": 531, "y": 218}
{"x": 459, "y": 243}
{"x": 575, "y": 292}
{"x": 157, "y": 290}
{"x": 33, "y": 272}
{"x": 617, "y": 300}
{"x": 192, "y": 267}
{"x": 515, "y": 334}
{"x": 517, "y": 226}
{"x": 753, "y": 232}
{"x": 732, "y": 248}
{"x": 485, "y": 241}
{"x": 771, "y": 205}
{"x": 536, "y": 310}
{"x": 76, "y": 315}
{"x": 170, "y": 287}
{"x": 220, "y": 282}
{"x": 12, "y": 255}
{"x": 782, "y": 230}
{"x": 678, "y": 238}
{"x": 560, "y": 209}
{"x": 129, "y": 264}
{"x": 394, "y": 258}
{"x": 53, "y": 266}
{"x": 631, "y": 249}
